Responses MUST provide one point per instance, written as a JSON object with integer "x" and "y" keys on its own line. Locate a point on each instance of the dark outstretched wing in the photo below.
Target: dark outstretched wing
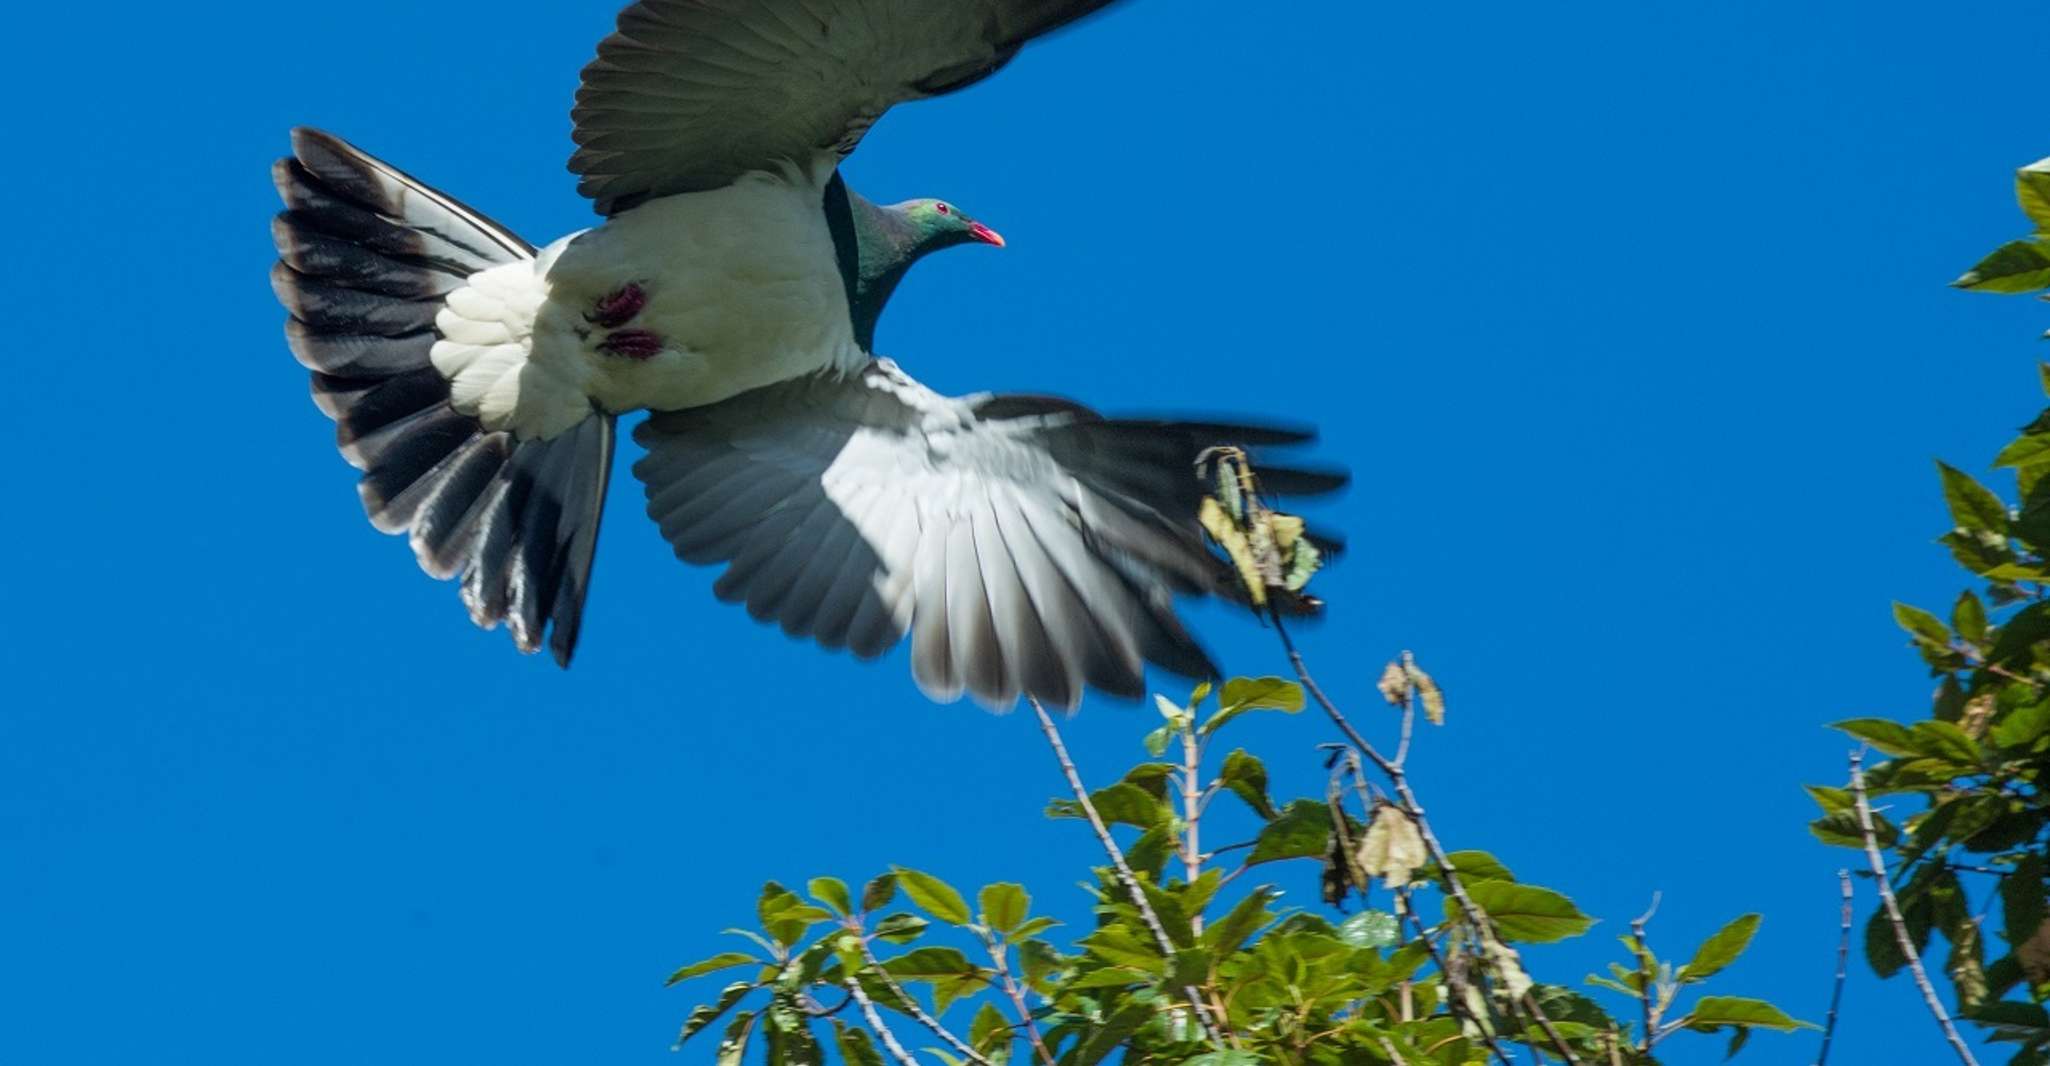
{"x": 1027, "y": 545}
{"x": 690, "y": 94}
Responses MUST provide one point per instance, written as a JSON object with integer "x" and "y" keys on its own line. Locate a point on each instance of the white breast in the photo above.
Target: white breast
{"x": 743, "y": 289}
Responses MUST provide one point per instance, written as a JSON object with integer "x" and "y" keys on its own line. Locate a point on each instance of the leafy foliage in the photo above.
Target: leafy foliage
{"x": 1202, "y": 966}
{"x": 1977, "y": 764}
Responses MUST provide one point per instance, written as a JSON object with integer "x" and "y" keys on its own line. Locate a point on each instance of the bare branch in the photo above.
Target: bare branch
{"x": 875, "y": 1021}
{"x": 1843, "y": 958}
{"x": 1893, "y": 913}
{"x": 997, "y": 954}
{"x": 1406, "y": 799}
{"x": 1117, "y": 859}
{"x": 1642, "y": 946}
{"x": 912, "y": 1008}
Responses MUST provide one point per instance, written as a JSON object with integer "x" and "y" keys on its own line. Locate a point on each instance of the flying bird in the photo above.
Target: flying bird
{"x": 1026, "y": 544}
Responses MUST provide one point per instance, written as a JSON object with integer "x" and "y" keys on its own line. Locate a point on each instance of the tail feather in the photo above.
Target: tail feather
{"x": 367, "y": 256}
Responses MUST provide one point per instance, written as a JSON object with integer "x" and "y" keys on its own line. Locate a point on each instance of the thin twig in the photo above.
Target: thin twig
{"x": 1408, "y": 722}
{"x": 1394, "y": 1056}
{"x": 1843, "y": 958}
{"x": 1642, "y": 946}
{"x": 1192, "y": 814}
{"x": 1017, "y": 996}
{"x": 875, "y": 1021}
{"x": 1456, "y": 1000}
{"x": 1893, "y": 913}
{"x": 912, "y": 1008}
{"x": 1117, "y": 860}
{"x": 1408, "y": 801}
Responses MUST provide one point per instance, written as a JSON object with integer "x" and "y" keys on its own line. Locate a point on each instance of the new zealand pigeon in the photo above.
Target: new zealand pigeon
{"x": 1026, "y": 544}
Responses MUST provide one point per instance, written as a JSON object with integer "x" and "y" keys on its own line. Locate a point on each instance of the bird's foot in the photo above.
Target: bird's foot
{"x": 618, "y": 307}
{"x": 632, "y": 343}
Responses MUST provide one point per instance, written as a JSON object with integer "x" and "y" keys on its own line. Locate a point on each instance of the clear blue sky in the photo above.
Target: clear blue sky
{"x": 1630, "y": 318}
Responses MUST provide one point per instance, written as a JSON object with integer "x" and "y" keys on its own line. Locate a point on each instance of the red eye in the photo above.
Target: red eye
{"x": 943, "y": 209}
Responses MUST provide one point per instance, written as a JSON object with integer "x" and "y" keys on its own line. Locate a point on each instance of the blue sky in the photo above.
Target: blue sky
{"x": 1629, "y": 317}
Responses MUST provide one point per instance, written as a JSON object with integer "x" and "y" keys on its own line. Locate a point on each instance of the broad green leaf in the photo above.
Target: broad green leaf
{"x": 832, "y": 892}
{"x": 2017, "y": 266}
{"x": 855, "y": 1045}
{"x": 1302, "y": 830}
{"x": 2029, "y": 626}
{"x": 1524, "y": 913}
{"x": 1720, "y": 950}
{"x": 927, "y": 963}
{"x": 1371, "y": 929}
{"x": 990, "y": 1033}
{"x": 712, "y": 1012}
{"x": 1225, "y": 1058}
{"x": 1150, "y": 852}
{"x": 1242, "y": 694}
{"x": 1831, "y": 800}
{"x": 2032, "y": 190}
{"x": 784, "y": 916}
{"x": 1123, "y": 803}
{"x": 1003, "y": 906}
{"x": 1884, "y": 734}
{"x": 1157, "y": 741}
{"x": 1712, "y": 1011}
{"x": 939, "y": 898}
{"x": 733, "y": 1046}
{"x": 1034, "y": 927}
{"x": 1474, "y": 866}
{"x": 878, "y": 893}
{"x": 900, "y": 928}
{"x": 1972, "y": 506}
{"x": 1942, "y": 740}
{"x": 1122, "y": 946}
{"x": 1841, "y": 830}
{"x": 1921, "y": 625}
{"x": 2021, "y": 727}
{"x": 2022, "y": 899}
{"x": 1247, "y": 917}
{"x": 1246, "y": 777}
{"x": 1968, "y": 617}
{"x": 1106, "y": 1037}
{"x": 722, "y": 961}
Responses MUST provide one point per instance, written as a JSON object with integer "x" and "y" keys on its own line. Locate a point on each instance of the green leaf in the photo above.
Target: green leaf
{"x": 1225, "y": 1058}
{"x": 1968, "y": 617}
{"x": 1124, "y": 803}
{"x": 878, "y": 893}
{"x": 1942, "y": 740}
{"x": 989, "y": 1033}
{"x": 832, "y": 892}
{"x": 733, "y": 1046}
{"x": 1371, "y": 929}
{"x": 1122, "y": 946}
{"x": 2017, "y": 266}
{"x": 712, "y": 1012}
{"x": 1921, "y": 625}
{"x": 1242, "y": 694}
{"x": 1972, "y": 506}
{"x": 1247, "y": 917}
{"x": 1246, "y": 777}
{"x": 2029, "y": 627}
{"x": 2021, "y": 727}
{"x": 2032, "y": 190}
{"x": 1712, "y": 1011}
{"x": 1156, "y": 742}
{"x": 2022, "y": 902}
{"x": 722, "y": 961}
{"x": 1888, "y": 736}
{"x": 927, "y": 963}
{"x": 1524, "y": 913}
{"x": 784, "y": 916}
{"x": 855, "y": 1045}
{"x": 937, "y": 897}
{"x": 1720, "y": 950}
{"x": 1151, "y": 851}
{"x": 1831, "y": 800}
{"x": 1473, "y": 866}
{"x": 1003, "y": 906}
{"x": 900, "y": 928}
{"x": 1302, "y": 830}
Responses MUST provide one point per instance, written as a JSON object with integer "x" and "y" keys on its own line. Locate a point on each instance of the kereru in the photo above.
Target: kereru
{"x": 1026, "y": 544}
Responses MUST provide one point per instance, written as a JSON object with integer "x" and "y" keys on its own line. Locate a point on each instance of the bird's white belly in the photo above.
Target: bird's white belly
{"x": 742, "y": 289}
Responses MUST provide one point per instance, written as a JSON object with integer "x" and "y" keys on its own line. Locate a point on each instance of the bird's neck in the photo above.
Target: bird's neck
{"x": 875, "y": 246}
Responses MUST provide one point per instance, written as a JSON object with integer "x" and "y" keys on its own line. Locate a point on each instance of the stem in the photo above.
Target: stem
{"x": 1642, "y": 946}
{"x": 1192, "y": 814}
{"x": 1843, "y": 956}
{"x": 1117, "y": 859}
{"x": 1893, "y": 913}
{"x": 875, "y": 1021}
{"x": 1456, "y": 1001}
{"x": 917, "y": 1012}
{"x": 1017, "y": 996}
{"x": 1408, "y": 802}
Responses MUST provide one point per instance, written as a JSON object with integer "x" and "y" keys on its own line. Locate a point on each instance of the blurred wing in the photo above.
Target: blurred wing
{"x": 690, "y": 94}
{"x": 1026, "y": 545}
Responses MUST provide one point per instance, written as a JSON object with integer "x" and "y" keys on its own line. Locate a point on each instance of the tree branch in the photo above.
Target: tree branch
{"x": 912, "y": 1008}
{"x": 1117, "y": 860}
{"x": 1017, "y": 996}
{"x": 1843, "y": 958}
{"x": 875, "y": 1021}
{"x": 1454, "y": 983}
{"x": 1408, "y": 802}
{"x": 1642, "y": 946}
{"x": 1893, "y": 913}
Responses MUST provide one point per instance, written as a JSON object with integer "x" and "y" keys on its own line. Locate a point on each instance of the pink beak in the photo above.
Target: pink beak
{"x": 985, "y": 234}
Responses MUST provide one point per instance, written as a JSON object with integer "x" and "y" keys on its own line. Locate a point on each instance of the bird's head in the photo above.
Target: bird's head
{"x": 939, "y": 224}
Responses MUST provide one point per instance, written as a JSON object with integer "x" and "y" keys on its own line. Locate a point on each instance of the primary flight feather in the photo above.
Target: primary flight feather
{"x": 1026, "y": 545}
